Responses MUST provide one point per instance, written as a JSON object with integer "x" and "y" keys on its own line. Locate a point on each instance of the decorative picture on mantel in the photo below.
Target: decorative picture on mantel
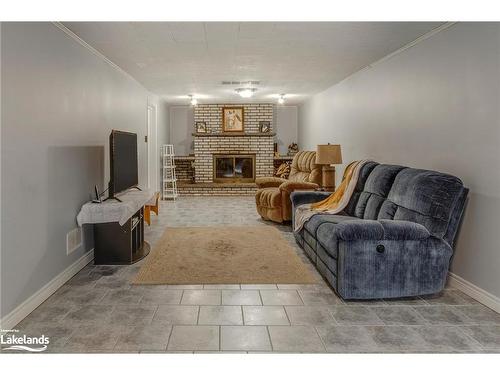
{"x": 201, "y": 127}
{"x": 264, "y": 126}
{"x": 232, "y": 119}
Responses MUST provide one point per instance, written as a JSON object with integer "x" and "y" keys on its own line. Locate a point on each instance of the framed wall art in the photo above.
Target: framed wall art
{"x": 233, "y": 119}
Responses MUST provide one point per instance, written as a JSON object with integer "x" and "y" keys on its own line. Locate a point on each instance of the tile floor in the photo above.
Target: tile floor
{"x": 99, "y": 311}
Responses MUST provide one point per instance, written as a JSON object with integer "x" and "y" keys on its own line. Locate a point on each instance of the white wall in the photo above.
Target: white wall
{"x": 1, "y": 169}
{"x": 435, "y": 106}
{"x": 286, "y": 126}
{"x": 59, "y": 104}
{"x": 163, "y": 122}
{"x": 158, "y": 137}
{"x": 163, "y": 137}
{"x": 182, "y": 127}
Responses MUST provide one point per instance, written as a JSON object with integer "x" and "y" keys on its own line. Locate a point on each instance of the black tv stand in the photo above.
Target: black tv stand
{"x": 116, "y": 244}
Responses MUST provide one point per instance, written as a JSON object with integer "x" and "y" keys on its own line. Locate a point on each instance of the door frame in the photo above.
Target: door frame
{"x": 151, "y": 149}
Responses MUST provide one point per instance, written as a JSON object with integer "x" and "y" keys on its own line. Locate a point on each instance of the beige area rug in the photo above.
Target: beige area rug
{"x": 223, "y": 255}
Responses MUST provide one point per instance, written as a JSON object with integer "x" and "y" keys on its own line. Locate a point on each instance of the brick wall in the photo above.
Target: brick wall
{"x": 252, "y": 113}
{"x": 205, "y": 146}
{"x": 217, "y": 189}
{"x": 183, "y": 170}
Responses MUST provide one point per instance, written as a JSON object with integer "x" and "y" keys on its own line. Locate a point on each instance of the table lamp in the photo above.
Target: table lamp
{"x": 326, "y": 155}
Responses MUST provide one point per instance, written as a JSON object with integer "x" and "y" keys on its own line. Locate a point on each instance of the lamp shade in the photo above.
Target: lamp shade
{"x": 328, "y": 154}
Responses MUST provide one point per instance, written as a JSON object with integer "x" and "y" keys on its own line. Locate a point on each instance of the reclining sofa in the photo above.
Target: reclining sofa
{"x": 394, "y": 239}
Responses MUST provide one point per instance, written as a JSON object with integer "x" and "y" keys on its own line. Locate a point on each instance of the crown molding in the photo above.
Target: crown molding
{"x": 95, "y": 52}
{"x": 420, "y": 39}
{"x": 407, "y": 46}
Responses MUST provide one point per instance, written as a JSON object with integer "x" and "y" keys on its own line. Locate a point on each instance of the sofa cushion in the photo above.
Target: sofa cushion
{"x": 375, "y": 191}
{"x": 396, "y": 230}
{"x": 311, "y": 226}
{"x": 424, "y": 197}
{"x": 360, "y": 185}
{"x": 313, "y": 223}
{"x": 329, "y": 261}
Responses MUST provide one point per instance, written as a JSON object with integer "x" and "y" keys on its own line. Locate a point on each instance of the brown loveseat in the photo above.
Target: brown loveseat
{"x": 273, "y": 194}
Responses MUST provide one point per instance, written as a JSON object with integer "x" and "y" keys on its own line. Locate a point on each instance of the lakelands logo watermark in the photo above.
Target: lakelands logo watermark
{"x": 16, "y": 341}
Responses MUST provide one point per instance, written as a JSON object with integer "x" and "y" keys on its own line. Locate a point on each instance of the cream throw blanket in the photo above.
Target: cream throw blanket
{"x": 336, "y": 202}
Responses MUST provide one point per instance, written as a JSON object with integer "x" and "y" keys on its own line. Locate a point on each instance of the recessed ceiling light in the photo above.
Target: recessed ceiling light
{"x": 281, "y": 99}
{"x": 246, "y": 92}
{"x": 194, "y": 101}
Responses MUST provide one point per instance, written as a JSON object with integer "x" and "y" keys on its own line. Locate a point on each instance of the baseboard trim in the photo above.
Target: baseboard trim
{"x": 481, "y": 295}
{"x": 28, "y": 306}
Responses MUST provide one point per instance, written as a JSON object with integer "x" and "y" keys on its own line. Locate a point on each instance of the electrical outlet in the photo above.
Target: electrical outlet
{"x": 74, "y": 239}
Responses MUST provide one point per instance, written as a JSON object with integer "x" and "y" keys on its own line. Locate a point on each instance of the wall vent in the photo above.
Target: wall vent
{"x": 74, "y": 239}
{"x": 239, "y": 83}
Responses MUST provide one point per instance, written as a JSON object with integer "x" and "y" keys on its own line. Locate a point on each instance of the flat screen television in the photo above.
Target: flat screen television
{"x": 123, "y": 161}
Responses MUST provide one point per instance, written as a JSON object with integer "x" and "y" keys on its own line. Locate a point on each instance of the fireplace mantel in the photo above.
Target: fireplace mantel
{"x": 234, "y": 134}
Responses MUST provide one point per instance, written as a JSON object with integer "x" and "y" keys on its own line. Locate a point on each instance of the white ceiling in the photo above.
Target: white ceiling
{"x": 174, "y": 59}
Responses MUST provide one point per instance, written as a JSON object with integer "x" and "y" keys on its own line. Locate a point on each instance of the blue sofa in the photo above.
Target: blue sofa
{"x": 394, "y": 239}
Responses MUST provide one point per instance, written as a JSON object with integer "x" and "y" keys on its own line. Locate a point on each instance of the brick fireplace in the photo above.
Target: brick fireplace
{"x": 210, "y": 146}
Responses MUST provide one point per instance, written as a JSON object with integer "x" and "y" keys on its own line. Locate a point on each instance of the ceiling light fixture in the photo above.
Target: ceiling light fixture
{"x": 246, "y": 92}
{"x": 193, "y": 100}
{"x": 281, "y": 99}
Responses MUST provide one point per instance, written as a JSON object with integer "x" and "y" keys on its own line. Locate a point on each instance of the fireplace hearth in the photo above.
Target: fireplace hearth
{"x": 231, "y": 168}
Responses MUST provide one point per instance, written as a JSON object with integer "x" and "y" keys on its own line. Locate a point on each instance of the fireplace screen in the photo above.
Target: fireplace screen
{"x": 234, "y": 168}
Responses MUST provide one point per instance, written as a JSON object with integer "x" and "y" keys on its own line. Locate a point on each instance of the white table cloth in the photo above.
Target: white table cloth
{"x": 113, "y": 211}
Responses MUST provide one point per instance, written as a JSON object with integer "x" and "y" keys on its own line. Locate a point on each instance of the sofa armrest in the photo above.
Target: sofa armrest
{"x": 376, "y": 230}
{"x": 305, "y": 197}
{"x": 386, "y": 258}
{"x": 290, "y": 186}
{"x": 264, "y": 182}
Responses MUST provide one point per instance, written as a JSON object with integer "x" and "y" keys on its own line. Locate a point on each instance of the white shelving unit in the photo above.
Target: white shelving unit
{"x": 169, "y": 178}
